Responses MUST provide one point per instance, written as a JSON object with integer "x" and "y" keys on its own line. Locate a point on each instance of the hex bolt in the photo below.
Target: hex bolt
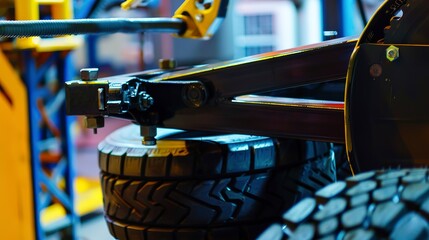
{"x": 167, "y": 64}
{"x": 148, "y": 133}
{"x": 392, "y": 53}
{"x": 89, "y": 74}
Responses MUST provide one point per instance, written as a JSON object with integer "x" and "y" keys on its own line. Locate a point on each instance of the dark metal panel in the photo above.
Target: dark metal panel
{"x": 387, "y": 107}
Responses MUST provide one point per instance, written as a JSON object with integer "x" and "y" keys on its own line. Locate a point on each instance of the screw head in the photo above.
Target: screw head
{"x": 392, "y": 53}
{"x": 89, "y": 74}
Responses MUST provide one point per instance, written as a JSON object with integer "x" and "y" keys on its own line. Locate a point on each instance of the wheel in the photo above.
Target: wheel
{"x": 388, "y": 204}
{"x": 384, "y": 122}
{"x": 198, "y": 186}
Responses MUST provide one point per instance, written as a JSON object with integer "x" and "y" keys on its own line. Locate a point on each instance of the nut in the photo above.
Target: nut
{"x": 94, "y": 122}
{"x": 392, "y": 53}
{"x": 89, "y": 74}
{"x": 167, "y": 64}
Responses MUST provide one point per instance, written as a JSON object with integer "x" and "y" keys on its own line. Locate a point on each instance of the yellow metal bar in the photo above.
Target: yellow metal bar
{"x": 200, "y": 20}
{"x": 29, "y": 10}
{"x": 59, "y": 43}
{"x": 63, "y": 11}
{"x": 49, "y": 2}
{"x": 26, "y": 10}
{"x": 16, "y": 201}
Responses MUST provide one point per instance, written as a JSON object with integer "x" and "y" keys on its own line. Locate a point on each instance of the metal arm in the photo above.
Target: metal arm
{"x": 205, "y": 98}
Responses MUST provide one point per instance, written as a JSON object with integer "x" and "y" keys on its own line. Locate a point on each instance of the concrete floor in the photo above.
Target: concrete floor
{"x": 93, "y": 227}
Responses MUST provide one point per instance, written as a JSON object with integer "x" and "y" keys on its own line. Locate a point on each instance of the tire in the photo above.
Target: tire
{"x": 342, "y": 164}
{"x": 389, "y": 204}
{"x": 197, "y": 186}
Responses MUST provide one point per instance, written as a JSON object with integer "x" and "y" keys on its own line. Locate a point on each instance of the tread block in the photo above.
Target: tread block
{"x": 413, "y": 178}
{"x": 416, "y": 193}
{"x": 300, "y": 212}
{"x": 360, "y": 234}
{"x": 273, "y": 232}
{"x": 327, "y": 226}
{"x": 354, "y": 217}
{"x": 359, "y": 200}
{"x": 411, "y": 226}
{"x": 387, "y": 214}
{"x": 160, "y": 234}
{"x": 134, "y": 232}
{"x": 156, "y": 167}
{"x": 384, "y": 194}
{"x": 264, "y": 154}
{"x": 133, "y": 165}
{"x": 363, "y": 187}
{"x": 332, "y": 208}
{"x": 392, "y": 174}
{"x": 182, "y": 166}
{"x": 351, "y": 181}
{"x": 238, "y": 158}
{"x": 104, "y": 151}
{"x": 134, "y": 162}
{"x": 323, "y": 195}
{"x": 209, "y": 162}
{"x": 120, "y": 230}
{"x": 144, "y": 196}
{"x": 116, "y": 160}
{"x": 304, "y": 231}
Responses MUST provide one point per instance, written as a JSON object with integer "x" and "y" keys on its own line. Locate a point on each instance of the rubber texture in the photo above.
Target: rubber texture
{"x": 342, "y": 164}
{"x": 387, "y": 204}
{"x": 206, "y": 187}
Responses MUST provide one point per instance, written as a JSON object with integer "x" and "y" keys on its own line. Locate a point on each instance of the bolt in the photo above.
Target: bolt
{"x": 94, "y": 122}
{"x": 167, "y": 64}
{"x": 195, "y": 95}
{"x": 89, "y": 74}
{"x": 199, "y": 17}
{"x": 145, "y": 101}
{"x": 148, "y": 133}
{"x": 392, "y": 53}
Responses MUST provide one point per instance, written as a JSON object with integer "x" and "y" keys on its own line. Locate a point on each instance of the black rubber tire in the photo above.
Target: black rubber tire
{"x": 342, "y": 164}
{"x": 211, "y": 187}
{"x": 388, "y": 204}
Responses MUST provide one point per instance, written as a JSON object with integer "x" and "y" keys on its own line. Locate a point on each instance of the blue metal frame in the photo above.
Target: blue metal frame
{"x": 65, "y": 169}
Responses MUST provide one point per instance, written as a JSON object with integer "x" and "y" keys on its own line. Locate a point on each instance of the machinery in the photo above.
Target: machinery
{"x": 382, "y": 122}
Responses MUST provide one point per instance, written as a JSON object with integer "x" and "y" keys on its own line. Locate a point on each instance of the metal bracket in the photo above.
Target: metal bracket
{"x": 202, "y": 17}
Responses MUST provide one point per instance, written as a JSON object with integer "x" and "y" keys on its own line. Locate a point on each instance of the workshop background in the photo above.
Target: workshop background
{"x": 55, "y": 155}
